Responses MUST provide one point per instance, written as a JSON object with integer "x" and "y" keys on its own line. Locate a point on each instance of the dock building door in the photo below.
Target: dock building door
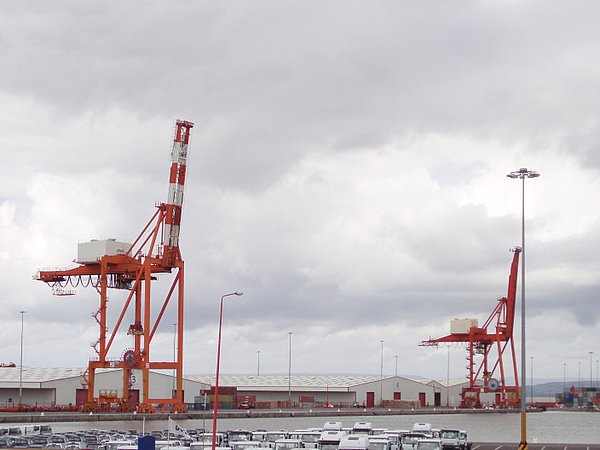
{"x": 370, "y": 399}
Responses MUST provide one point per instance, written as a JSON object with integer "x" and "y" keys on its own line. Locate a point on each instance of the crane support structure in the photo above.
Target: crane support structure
{"x": 490, "y": 341}
{"x": 134, "y": 267}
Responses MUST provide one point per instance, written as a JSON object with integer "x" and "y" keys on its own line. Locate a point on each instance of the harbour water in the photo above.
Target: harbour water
{"x": 552, "y": 427}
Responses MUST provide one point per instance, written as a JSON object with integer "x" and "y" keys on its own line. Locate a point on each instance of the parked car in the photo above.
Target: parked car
{"x": 20, "y": 442}
{"x": 38, "y": 441}
{"x": 451, "y": 439}
{"x": 410, "y": 440}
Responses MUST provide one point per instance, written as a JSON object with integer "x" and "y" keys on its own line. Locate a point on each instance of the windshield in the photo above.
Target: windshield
{"x": 286, "y": 445}
{"x": 243, "y": 445}
{"x": 272, "y": 437}
{"x": 450, "y": 434}
{"x": 240, "y": 436}
{"x": 428, "y": 446}
{"x": 378, "y": 445}
{"x": 328, "y": 445}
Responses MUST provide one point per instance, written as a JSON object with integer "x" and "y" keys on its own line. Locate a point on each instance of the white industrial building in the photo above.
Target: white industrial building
{"x": 64, "y": 386}
{"x": 338, "y": 391}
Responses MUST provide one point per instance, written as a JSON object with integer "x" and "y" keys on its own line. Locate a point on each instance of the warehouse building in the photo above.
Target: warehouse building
{"x": 50, "y": 387}
{"x": 64, "y": 386}
{"x": 307, "y": 391}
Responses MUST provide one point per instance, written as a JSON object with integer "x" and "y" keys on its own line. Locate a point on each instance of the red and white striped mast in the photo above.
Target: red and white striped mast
{"x": 175, "y": 198}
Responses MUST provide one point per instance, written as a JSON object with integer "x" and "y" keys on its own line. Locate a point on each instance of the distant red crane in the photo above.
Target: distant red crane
{"x": 490, "y": 341}
{"x": 115, "y": 265}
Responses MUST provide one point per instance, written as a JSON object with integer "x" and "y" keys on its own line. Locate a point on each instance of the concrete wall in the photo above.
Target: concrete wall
{"x": 335, "y": 398}
{"x": 9, "y": 397}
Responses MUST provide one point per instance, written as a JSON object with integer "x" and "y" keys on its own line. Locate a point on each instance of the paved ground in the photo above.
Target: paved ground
{"x": 510, "y": 446}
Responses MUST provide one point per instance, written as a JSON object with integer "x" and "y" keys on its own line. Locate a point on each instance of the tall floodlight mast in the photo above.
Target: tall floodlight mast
{"x": 110, "y": 264}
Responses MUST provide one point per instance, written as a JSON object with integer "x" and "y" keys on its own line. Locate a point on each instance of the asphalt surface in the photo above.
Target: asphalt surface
{"x": 535, "y": 446}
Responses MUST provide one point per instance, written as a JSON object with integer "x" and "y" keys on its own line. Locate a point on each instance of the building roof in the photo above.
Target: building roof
{"x": 298, "y": 382}
{"x": 453, "y": 382}
{"x": 38, "y": 374}
{"x": 35, "y": 376}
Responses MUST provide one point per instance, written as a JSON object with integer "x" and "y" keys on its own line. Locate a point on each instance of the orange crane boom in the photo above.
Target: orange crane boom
{"x": 495, "y": 334}
{"x": 133, "y": 267}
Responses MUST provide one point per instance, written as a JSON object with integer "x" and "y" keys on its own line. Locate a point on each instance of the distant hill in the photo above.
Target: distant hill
{"x": 549, "y": 389}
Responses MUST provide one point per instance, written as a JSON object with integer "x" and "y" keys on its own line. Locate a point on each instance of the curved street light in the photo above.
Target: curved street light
{"x": 521, "y": 174}
{"x": 216, "y": 396}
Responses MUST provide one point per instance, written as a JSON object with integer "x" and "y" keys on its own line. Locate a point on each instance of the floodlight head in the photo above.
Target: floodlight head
{"x": 523, "y": 173}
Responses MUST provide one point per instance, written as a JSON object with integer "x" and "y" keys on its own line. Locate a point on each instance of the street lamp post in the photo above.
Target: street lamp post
{"x": 448, "y": 378}
{"x": 591, "y": 379}
{"x": 521, "y": 174}
{"x": 216, "y": 396}
{"x": 21, "y": 363}
{"x": 290, "y": 369}
{"x": 396, "y": 370}
{"x": 381, "y": 377}
{"x": 564, "y": 384}
{"x": 258, "y": 363}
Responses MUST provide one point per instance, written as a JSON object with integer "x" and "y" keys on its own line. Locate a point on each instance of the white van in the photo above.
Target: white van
{"x": 330, "y": 439}
{"x": 422, "y": 427}
{"x": 429, "y": 444}
{"x": 354, "y": 442}
{"x": 336, "y": 426}
{"x": 288, "y": 444}
{"x": 451, "y": 439}
{"x": 362, "y": 428}
{"x": 409, "y": 440}
{"x": 384, "y": 442}
{"x": 310, "y": 439}
{"x": 244, "y": 445}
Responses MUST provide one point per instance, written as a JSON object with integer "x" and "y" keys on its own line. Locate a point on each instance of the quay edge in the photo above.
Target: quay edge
{"x": 9, "y": 418}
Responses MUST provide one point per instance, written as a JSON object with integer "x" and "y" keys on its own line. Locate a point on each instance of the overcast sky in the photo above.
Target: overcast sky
{"x": 347, "y": 172}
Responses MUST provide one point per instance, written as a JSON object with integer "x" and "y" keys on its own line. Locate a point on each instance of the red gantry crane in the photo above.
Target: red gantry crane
{"x": 133, "y": 267}
{"x": 489, "y": 341}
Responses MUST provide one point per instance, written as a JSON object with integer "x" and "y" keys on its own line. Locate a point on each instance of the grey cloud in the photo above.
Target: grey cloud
{"x": 312, "y": 183}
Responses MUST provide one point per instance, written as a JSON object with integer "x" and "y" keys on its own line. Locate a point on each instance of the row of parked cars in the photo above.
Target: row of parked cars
{"x": 31, "y": 436}
{"x": 421, "y": 437}
{"x": 332, "y": 436}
